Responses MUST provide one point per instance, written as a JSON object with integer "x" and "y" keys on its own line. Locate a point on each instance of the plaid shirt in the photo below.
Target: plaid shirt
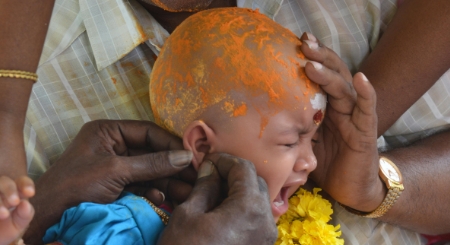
{"x": 99, "y": 54}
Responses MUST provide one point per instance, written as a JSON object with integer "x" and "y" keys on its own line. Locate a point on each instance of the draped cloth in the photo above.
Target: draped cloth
{"x": 128, "y": 220}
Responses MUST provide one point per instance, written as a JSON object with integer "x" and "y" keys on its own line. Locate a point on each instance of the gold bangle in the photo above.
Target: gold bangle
{"x": 164, "y": 217}
{"x": 19, "y": 74}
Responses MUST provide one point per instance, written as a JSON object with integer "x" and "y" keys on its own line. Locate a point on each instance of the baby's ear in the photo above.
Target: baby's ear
{"x": 198, "y": 138}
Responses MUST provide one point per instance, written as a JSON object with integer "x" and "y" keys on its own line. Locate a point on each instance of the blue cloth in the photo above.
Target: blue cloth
{"x": 128, "y": 220}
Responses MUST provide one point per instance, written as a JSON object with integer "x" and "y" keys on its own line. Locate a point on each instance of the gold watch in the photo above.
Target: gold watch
{"x": 393, "y": 179}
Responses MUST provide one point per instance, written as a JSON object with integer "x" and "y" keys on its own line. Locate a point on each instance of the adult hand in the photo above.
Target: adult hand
{"x": 243, "y": 217}
{"x": 99, "y": 163}
{"x": 347, "y": 151}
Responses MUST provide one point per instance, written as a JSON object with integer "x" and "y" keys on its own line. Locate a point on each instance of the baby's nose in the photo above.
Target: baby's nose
{"x": 307, "y": 163}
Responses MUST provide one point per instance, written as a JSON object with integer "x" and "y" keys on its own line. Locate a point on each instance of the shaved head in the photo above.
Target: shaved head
{"x": 221, "y": 63}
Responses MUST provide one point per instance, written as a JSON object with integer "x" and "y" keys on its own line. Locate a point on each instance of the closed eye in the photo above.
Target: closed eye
{"x": 291, "y": 145}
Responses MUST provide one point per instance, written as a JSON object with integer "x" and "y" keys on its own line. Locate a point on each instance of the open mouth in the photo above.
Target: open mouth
{"x": 280, "y": 205}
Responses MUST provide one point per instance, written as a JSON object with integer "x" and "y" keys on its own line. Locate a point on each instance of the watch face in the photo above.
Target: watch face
{"x": 389, "y": 170}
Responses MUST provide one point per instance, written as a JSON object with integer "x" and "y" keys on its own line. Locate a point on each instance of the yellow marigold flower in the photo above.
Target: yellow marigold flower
{"x": 306, "y": 221}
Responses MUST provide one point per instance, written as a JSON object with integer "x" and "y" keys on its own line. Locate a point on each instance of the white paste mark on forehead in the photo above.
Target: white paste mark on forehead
{"x": 319, "y": 102}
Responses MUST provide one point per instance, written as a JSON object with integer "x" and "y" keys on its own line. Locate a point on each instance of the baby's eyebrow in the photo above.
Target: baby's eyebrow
{"x": 297, "y": 130}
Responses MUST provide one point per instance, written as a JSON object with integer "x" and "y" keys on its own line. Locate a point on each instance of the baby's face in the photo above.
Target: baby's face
{"x": 282, "y": 154}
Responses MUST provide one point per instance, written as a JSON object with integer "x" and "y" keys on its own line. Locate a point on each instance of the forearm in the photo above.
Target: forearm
{"x": 23, "y": 26}
{"x": 45, "y": 216}
{"x": 12, "y": 149}
{"x": 14, "y": 96}
{"x": 410, "y": 57}
{"x": 423, "y": 205}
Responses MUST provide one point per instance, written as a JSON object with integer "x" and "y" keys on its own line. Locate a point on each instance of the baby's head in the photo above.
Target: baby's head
{"x": 232, "y": 80}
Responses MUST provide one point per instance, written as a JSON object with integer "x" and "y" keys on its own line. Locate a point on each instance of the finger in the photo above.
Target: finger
{"x": 155, "y": 196}
{"x": 125, "y": 134}
{"x": 137, "y": 151}
{"x": 25, "y": 186}
{"x": 188, "y": 175}
{"x": 22, "y": 215}
{"x": 174, "y": 190}
{"x": 244, "y": 186}
{"x": 248, "y": 194}
{"x": 316, "y": 51}
{"x": 365, "y": 118}
{"x": 342, "y": 96}
{"x": 152, "y": 166}
{"x": 8, "y": 192}
{"x": 206, "y": 191}
{"x": 239, "y": 173}
{"x": 151, "y": 193}
{"x": 139, "y": 134}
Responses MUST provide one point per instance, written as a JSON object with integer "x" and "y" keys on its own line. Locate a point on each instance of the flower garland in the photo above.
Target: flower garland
{"x": 306, "y": 221}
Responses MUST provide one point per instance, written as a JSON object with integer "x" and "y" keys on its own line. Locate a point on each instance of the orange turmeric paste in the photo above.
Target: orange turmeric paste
{"x": 231, "y": 58}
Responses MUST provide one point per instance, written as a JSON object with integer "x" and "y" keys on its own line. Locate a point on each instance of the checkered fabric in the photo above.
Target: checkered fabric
{"x": 99, "y": 54}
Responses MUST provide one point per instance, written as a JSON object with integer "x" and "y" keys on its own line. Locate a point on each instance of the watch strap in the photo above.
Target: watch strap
{"x": 389, "y": 201}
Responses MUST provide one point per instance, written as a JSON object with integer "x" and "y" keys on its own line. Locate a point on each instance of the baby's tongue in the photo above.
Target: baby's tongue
{"x": 278, "y": 200}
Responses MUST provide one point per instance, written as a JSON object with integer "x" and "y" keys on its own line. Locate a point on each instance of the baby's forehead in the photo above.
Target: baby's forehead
{"x": 298, "y": 117}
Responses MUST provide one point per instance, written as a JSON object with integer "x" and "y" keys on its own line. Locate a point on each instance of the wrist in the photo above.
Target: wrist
{"x": 393, "y": 181}
{"x": 11, "y": 123}
{"x": 373, "y": 198}
{"x": 12, "y": 149}
{"x": 47, "y": 213}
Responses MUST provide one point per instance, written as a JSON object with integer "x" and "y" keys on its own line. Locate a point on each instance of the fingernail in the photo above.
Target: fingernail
{"x": 364, "y": 77}
{"x": 163, "y": 196}
{"x": 29, "y": 191}
{"x": 206, "y": 169}
{"x": 311, "y": 37}
{"x": 311, "y": 45}
{"x": 316, "y": 65}
{"x": 180, "y": 158}
{"x": 13, "y": 199}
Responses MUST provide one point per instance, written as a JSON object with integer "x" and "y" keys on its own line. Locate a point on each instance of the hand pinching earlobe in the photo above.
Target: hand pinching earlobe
{"x": 206, "y": 169}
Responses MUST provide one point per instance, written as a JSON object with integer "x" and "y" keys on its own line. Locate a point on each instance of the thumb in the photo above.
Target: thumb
{"x": 206, "y": 192}
{"x": 22, "y": 215}
{"x": 154, "y": 165}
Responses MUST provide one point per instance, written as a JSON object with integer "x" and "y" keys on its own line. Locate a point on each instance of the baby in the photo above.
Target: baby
{"x": 232, "y": 80}
{"x": 227, "y": 80}
{"x": 15, "y": 210}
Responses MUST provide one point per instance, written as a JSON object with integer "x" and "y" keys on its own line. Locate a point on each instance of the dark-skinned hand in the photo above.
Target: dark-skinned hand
{"x": 242, "y": 216}
{"x": 103, "y": 158}
{"x": 347, "y": 151}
